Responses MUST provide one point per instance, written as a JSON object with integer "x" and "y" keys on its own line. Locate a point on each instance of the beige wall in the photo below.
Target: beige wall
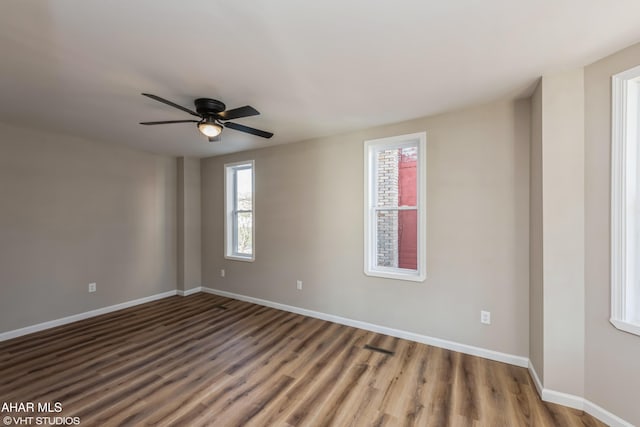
{"x": 309, "y": 226}
{"x": 73, "y": 212}
{"x": 536, "y": 229}
{"x": 563, "y": 230}
{"x": 189, "y": 230}
{"x": 612, "y": 356}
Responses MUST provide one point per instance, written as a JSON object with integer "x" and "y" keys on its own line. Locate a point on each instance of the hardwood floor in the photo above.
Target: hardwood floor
{"x": 208, "y": 360}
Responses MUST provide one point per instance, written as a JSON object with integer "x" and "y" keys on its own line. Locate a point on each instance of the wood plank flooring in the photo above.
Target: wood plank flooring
{"x": 206, "y": 360}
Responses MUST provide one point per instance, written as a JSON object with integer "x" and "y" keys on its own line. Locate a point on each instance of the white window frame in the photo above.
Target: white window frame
{"x": 230, "y": 229}
{"x": 370, "y": 230}
{"x": 625, "y": 201}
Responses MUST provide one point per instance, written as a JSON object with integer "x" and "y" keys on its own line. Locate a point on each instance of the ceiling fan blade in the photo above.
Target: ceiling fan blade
{"x": 247, "y": 129}
{"x": 173, "y": 104}
{"x": 169, "y": 121}
{"x": 239, "y": 112}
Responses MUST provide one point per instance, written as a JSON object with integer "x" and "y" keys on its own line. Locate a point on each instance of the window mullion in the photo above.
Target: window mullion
{"x": 395, "y": 208}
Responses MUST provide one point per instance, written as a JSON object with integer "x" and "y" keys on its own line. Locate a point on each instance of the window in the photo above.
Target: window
{"x": 239, "y": 214}
{"x": 395, "y": 216}
{"x": 625, "y": 201}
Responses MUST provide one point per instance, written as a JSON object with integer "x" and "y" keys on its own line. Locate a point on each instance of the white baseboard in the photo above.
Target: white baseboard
{"x": 576, "y": 402}
{"x": 436, "y": 342}
{"x": 87, "y": 314}
{"x": 565, "y": 399}
{"x": 604, "y": 415}
{"x": 189, "y": 291}
{"x": 536, "y": 378}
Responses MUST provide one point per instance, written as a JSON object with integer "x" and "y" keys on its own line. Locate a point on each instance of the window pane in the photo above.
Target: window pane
{"x": 244, "y": 235}
{"x": 408, "y": 239}
{"x": 387, "y": 178}
{"x": 407, "y": 177}
{"x": 397, "y": 239}
{"x": 387, "y": 237}
{"x": 396, "y": 178}
{"x": 244, "y": 190}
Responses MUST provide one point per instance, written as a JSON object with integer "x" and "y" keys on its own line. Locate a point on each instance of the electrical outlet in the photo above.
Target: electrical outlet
{"x": 299, "y": 285}
{"x": 222, "y": 273}
{"x": 92, "y": 287}
{"x": 485, "y": 317}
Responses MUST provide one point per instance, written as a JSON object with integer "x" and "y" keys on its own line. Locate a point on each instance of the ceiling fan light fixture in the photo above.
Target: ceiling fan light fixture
{"x": 209, "y": 128}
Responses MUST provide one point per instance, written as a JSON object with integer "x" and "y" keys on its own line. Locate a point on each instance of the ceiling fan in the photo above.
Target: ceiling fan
{"x": 213, "y": 117}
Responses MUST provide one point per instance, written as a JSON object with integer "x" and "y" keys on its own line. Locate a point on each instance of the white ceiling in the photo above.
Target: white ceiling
{"x": 311, "y": 68}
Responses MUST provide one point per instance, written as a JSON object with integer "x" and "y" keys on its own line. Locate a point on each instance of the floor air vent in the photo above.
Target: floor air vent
{"x": 379, "y": 350}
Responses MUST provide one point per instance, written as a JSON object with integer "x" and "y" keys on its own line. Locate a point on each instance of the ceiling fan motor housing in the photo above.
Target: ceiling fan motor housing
{"x": 207, "y": 107}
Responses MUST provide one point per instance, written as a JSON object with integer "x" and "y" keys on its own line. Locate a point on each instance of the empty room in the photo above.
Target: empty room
{"x": 335, "y": 213}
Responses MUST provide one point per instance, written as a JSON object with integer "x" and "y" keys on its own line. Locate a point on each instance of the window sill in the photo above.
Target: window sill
{"x": 240, "y": 258}
{"x": 411, "y": 277}
{"x": 632, "y": 328}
